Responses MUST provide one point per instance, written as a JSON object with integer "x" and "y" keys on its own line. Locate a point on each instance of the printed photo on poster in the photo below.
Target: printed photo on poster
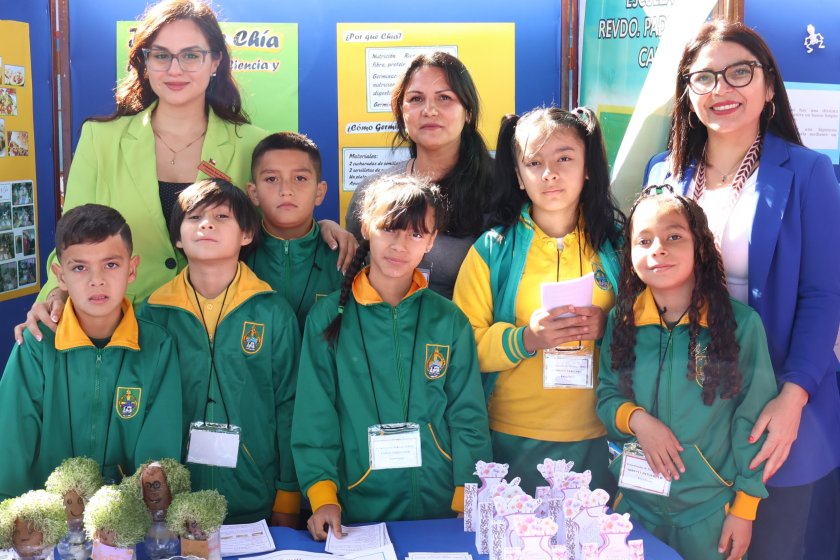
{"x": 22, "y": 193}
{"x": 14, "y": 75}
{"x": 5, "y": 215}
{"x": 8, "y": 102}
{"x": 22, "y": 216}
{"x": 2, "y": 138}
{"x": 7, "y": 248}
{"x": 26, "y": 272}
{"x": 8, "y": 276}
{"x": 18, "y": 143}
{"x": 28, "y": 242}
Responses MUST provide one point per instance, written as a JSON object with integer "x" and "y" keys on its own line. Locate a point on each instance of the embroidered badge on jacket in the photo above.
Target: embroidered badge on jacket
{"x": 128, "y": 401}
{"x": 437, "y": 360}
{"x": 601, "y": 279}
{"x": 701, "y": 356}
{"x": 252, "y": 337}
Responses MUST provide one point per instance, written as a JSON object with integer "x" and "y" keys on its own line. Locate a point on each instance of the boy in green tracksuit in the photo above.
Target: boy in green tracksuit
{"x": 238, "y": 344}
{"x": 291, "y": 256}
{"x": 404, "y": 357}
{"x": 685, "y": 373}
{"x": 105, "y": 385}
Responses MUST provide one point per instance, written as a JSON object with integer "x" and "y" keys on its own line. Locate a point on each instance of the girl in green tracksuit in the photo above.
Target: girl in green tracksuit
{"x": 685, "y": 373}
{"x": 390, "y": 417}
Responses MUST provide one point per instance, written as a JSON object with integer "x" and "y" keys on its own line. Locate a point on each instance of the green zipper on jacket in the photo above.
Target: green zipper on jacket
{"x": 400, "y": 377}
{"x": 97, "y": 389}
{"x": 287, "y": 270}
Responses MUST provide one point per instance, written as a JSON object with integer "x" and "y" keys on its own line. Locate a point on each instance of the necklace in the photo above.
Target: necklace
{"x": 176, "y": 152}
{"x": 724, "y": 176}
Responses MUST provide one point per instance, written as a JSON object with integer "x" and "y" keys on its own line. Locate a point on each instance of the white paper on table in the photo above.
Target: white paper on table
{"x": 439, "y": 556}
{"x": 247, "y": 538}
{"x": 577, "y": 292}
{"x": 293, "y": 555}
{"x": 384, "y": 552}
{"x": 356, "y": 539}
{"x": 8, "y": 554}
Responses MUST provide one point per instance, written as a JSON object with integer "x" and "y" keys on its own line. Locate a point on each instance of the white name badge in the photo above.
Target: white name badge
{"x": 212, "y": 444}
{"x": 567, "y": 370}
{"x": 636, "y": 474}
{"x": 394, "y": 446}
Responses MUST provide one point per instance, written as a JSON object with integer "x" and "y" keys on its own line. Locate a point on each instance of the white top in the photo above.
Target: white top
{"x": 732, "y": 229}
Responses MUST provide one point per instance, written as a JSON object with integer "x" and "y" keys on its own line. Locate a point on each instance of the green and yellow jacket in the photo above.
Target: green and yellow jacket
{"x": 64, "y": 397}
{"x": 716, "y": 452}
{"x": 415, "y": 362}
{"x": 252, "y": 385}
{"x": 301, "y": 270}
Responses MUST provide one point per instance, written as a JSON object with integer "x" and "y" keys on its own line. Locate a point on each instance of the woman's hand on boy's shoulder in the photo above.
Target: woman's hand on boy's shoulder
{"x": 47, "y": 312}
{"x": 339, "y": 239}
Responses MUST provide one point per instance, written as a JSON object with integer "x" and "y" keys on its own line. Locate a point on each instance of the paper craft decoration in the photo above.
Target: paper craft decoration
{"x": 196, "y": 517}
{"x": 32, "y": 524}
{"x": 615, "y": 528}
{"x": 75, "y": 480}
{"x": 535, "y": 534}
{"x": 582, "y": 515}
{"x": 491, "y": 475}
{"x": 116, "y": 519}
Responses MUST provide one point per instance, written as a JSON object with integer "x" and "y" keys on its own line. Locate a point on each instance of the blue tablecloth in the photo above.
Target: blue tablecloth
{"x": 442, "y": 535}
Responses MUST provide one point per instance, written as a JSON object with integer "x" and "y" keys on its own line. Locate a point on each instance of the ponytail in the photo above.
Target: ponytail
{"x": 506, "y": 197}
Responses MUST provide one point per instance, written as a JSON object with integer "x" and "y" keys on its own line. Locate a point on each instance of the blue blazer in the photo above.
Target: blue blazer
{"x": 794, "y": 285}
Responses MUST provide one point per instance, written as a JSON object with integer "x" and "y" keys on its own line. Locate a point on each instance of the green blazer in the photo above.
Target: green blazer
{"x": 114, "y": 164}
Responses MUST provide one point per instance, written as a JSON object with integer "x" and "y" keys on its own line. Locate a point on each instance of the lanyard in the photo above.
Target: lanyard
{"x": 211, "y": 345}
{"x": 370, "y": 367}
{"x": 662, "y": 355}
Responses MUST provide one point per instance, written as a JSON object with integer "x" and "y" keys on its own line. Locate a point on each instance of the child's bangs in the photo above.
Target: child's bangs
{"x": 407, "y": 215}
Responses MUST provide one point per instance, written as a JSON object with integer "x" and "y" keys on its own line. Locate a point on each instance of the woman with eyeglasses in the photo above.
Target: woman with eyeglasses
{"x": 774, "y": 208}
{"x": 179, "y": 119}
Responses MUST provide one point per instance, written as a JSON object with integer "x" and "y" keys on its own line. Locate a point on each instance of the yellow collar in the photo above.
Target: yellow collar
{"x": 646, "y": 312}
{"x": 365, "y": 294}
{"x": 69, "y": 333}
{"x": 179, "y": 293}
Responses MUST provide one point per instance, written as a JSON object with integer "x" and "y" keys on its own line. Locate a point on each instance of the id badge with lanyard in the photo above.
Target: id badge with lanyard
{"x": 211, "y": 443}
{"x": 393, "y": 445}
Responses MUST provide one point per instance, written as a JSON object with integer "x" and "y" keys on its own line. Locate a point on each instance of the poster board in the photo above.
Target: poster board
{"x": 19, "y": 243}
{"x": 372, "y": 56}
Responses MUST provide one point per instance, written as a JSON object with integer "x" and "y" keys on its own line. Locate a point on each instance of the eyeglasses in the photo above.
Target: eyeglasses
{"x": 160, "y": 60}
{"x": 737, "y": 75}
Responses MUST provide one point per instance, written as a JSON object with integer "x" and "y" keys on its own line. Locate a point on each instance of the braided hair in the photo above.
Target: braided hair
{"x": 396, "y": 202}
{"x": 720, "y": 371}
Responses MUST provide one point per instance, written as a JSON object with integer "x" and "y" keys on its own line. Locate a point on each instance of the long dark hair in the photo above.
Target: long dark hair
{"x": 720, "y": 370}
{"x": 467, "y": 186}
{"x": 134, "y": 94}
{"x": 687, "y": 140}
{"x": 602, "y": 218}
{"x": 394, "y": 202}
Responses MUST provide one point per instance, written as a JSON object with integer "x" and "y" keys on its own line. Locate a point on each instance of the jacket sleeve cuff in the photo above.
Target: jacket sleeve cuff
{"x": 323, "y": 493}
{"x": 513, "y": 342}
{"x": 458, "y": 499}
{"x": 744, "y": 506}
{"x": 286, "y": 502}
{"x": 803, "y": 380}
{"x": 622, "y": 417}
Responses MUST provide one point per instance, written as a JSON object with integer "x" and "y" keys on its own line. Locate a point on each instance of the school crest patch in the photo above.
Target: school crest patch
{"x": 252, "y": 337}
{"x": 128, "y": 401}
{"x": 601, "y": 279}
{"x": 437, "y": 360}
